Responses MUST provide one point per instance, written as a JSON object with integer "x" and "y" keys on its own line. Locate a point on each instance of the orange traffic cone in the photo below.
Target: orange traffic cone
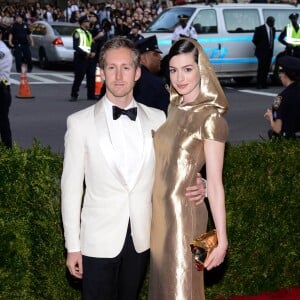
{"x": 98, "y": 82}
{"x": 24, "y": 90}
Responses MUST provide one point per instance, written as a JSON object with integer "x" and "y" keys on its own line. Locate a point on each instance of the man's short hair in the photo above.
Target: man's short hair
{"x": 116, "y": 43}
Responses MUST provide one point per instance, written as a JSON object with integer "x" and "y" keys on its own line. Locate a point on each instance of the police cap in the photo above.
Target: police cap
{"x": 148, "y": 44}
{"x": 18, "y": 15}
{"x": 83, "y": 19}
{"x": 289, "y": 64}
{"x": 136, "y": 25}
{"x": 92, "y": 14}
{"x": 293, "y": 16}
{"x": 183, "y": 17}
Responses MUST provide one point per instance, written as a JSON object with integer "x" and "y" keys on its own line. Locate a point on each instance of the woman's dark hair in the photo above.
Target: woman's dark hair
{"x": 183, "y": 46}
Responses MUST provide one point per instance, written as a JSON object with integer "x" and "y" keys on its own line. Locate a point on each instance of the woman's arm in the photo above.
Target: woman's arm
{"x": 214, "y": 157}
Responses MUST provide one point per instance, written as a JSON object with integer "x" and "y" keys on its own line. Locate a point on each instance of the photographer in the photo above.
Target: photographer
{"x": 5, "y": 96}
{"x": 284, "y": 117}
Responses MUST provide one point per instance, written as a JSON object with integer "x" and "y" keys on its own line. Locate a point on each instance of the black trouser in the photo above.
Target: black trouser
{"x": 83, "y": 67}
{"x": 263, "y": 68}
{"x": 118, "y": 278}
{"x": 22, "y": 54}
{"x": 5, "y": 102}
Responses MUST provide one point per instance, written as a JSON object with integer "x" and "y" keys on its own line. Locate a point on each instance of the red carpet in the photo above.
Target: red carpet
{"x": 283, "y": 294}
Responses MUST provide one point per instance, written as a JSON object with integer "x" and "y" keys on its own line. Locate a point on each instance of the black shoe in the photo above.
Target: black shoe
{"x": 264, "y": 86}
{"x": 93, "y": 98}
{"x": 259, "y": 87}
{"x": 73, "y": 99}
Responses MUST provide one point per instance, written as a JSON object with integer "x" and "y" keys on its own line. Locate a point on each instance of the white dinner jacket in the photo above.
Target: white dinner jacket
{"x": 98, "y": 226}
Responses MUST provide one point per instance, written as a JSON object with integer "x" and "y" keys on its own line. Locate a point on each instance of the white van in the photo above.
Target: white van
{"x": 225, "y": 31}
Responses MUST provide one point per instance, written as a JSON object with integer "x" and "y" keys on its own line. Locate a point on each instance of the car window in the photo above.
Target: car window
{"x": 168, "y": 19}
{"x": 38, "y": 29}
{"x": 241, "y": 20}
{"x": 206, "y": 21}
{"x": 281, "y": 16}
{"x": 63, "y": 30}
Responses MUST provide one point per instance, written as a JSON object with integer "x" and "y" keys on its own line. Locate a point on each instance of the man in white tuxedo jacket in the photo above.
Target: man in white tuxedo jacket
{"x": 107, "y": 182}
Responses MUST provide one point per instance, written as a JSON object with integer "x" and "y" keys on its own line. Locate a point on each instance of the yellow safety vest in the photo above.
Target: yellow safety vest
{"x": 292, "y": 37}
{"x": 85, "y": 40}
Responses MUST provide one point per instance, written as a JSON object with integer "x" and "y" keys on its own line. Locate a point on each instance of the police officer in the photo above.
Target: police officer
{"x": 134, "y": 34}
{"x": 290, "y": 36}
{"x": 97, "y": 32}
{"x": 284, "y": 117}
{"x": 150, "y": 89}
{"x": 99, "y": 38}
{"x": 20, "y": 40}
{"x": 5, "y": 95}
{"x": 182, "y": 30}
{"x": 84, "y": 63}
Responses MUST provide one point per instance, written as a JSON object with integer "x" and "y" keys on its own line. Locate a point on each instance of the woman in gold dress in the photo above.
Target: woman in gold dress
{"x": 194, "y": 133}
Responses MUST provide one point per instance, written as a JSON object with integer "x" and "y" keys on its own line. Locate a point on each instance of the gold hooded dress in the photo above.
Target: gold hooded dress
{"x": 179, "y": 151}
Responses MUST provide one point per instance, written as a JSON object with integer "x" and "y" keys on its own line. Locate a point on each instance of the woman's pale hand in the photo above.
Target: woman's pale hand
{"x": 215, "y": 258}
{"x": 197, "y": 193}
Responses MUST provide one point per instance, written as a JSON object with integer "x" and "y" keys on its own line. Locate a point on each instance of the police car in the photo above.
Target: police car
{"x": 225, "y": 31}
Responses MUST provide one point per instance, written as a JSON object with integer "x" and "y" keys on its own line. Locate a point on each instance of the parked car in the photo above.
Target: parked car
{"x": 53, "y": 42}
{"x": 225, "y": 32}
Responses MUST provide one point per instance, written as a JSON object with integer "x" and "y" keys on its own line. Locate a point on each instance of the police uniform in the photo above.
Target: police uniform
{"x": 83, "y": 63}
{"x": 288, "y": 110}
{"x": 183, "y": 30}
{"x": 95, "y": 29}
{"x": 5, "y": 95}
{"x": 20, "y": 34}
{"x": 135, "y": 37}
{"x": 150, "y": 89}
{"x": 290, "y": 37}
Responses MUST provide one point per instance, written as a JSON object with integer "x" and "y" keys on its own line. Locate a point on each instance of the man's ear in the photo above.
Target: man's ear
{"x": 137, "y": 74}
{"x": 102, "y": 74}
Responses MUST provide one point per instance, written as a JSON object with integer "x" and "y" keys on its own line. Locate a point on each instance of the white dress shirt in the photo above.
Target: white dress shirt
{"x": 127, "y": 140}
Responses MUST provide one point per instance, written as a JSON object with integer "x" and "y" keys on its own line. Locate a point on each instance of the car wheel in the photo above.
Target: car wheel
{"x": 243, "y": 80}
{"x": 43, "y": 60}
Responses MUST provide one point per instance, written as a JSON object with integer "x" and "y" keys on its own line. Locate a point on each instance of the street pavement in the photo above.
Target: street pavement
{"x": 44, "y": 117}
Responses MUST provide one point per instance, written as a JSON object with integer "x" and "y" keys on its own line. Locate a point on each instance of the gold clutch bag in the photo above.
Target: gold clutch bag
{"x": 202, "y": 246}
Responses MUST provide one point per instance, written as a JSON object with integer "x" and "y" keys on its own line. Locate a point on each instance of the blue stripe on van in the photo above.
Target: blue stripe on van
{"x": 225, "y": 39}
{"x": 225, "y": 61}
{"x": 216, "y": 40}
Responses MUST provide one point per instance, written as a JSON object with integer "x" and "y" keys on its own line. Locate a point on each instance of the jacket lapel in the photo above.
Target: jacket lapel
{"x": 105, "y": 142}
{"x": 147, "y": 142}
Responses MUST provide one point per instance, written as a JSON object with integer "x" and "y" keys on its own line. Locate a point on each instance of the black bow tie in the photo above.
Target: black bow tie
{"x": 130, "y": 113}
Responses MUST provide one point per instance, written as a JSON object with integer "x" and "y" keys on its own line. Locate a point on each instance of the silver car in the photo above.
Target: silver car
{"x": 53, "y": 42}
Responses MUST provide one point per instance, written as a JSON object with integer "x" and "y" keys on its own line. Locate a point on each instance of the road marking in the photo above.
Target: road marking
{"x": 14, "y": 81}
{"x": 45, "y": 78}
{"x": 258, "y": 93}
{"x": 40, "y": 78}
{"x": 254, "y": 92}
{"x": 65, "y": 77}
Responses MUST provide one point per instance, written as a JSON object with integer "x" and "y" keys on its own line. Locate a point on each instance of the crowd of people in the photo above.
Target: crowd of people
{"x": 122, "y": 15}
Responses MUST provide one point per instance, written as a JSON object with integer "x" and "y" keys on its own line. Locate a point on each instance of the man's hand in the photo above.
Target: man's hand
{"x": 197, "y": 193}
{"x": 74, "y": 264}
